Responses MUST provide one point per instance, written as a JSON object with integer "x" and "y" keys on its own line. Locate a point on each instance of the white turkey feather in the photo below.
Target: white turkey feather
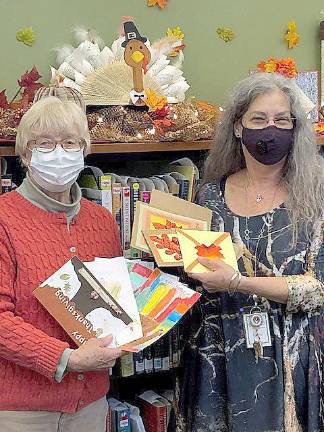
{"x": 63, "y": 53}
{"x": 160, "y": 64}
{"x": 67, "y": 70}
{"x": 91, "y": 53}
{"x": 177, "y": 90}
{"x": 76, "y": 59}
{"x": 106, "y": 56}
{"x": 178, "y": 61}
{"x": 163, "y": 46}
{"x": 168, "y": 75}
{"x": 117, "y": 49}
{"x": 82, "y": 34}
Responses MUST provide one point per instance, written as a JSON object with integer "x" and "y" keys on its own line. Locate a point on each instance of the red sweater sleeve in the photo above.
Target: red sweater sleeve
{"x": 21, "y": 342}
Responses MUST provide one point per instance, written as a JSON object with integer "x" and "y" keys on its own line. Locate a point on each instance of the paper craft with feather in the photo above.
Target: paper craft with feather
{"x": 207, "y": 244}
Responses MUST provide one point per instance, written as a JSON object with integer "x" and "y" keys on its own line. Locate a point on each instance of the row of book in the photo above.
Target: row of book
{"x": 150, "y": 412}
{"x": 163, "y": 355}
{"x": 119, "y": 194}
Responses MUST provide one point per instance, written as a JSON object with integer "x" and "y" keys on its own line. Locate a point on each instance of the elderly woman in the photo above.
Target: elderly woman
{"x": 254, "y": 361}
{"x": 47, "y": 383}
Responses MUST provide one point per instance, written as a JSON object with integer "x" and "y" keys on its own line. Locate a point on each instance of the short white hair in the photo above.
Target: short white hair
{"x": 53, "y": 115}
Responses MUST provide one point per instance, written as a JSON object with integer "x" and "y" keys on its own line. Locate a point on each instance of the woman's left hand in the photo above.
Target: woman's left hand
{"x": 217, "y": 276}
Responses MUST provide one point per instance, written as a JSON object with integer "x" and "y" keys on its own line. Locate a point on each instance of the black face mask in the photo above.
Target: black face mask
{"x": 269, "y": 145}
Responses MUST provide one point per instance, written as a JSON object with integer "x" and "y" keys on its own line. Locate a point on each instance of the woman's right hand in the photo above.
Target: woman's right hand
{"x": 94, "y": 355}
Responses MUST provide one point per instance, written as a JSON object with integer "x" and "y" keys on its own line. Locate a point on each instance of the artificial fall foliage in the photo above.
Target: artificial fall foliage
{"x": 26, "y": 36}
{"x": 226, "y": 34}
{"x": 285, "y": 66}
{"x": 155, "y": 101}
{"x": 291, "y": 36}
{"x": 212, "y": 251}
{"x": 176, "y": 32}
{"x": 28, "y": 85}
{"x": 168, "y": 225}
{"x": 162, "y": 4}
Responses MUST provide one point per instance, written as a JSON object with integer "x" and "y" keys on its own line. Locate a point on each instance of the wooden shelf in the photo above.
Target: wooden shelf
{"x": 7, "y": 148}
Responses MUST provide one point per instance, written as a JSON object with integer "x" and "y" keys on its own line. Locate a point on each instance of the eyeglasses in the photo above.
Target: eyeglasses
{"x": 256, "y": 121}
{"x": 45, "y": 145}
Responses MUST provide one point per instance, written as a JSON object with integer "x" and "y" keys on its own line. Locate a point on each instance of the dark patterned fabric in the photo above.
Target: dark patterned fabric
{"x": 223, "y": 389}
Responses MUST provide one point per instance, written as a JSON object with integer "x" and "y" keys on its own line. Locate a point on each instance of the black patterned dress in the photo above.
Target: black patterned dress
{"x": 223, "y": 388}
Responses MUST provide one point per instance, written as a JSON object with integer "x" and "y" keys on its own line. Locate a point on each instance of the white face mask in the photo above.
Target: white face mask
{"x": 57, "y": 170}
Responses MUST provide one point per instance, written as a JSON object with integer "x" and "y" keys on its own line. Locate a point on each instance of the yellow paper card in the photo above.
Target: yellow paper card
{"x": 208, "y": 244}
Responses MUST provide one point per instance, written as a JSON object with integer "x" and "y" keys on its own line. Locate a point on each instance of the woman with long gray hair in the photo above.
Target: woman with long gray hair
{"x": 254, "y": 357}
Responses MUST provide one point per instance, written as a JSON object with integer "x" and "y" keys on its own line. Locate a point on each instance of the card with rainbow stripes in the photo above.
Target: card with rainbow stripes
{"x": 161, "y": 301}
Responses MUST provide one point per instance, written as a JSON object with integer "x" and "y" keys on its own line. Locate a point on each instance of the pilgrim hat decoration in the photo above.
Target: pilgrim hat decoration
{"x": 132, "y": 33}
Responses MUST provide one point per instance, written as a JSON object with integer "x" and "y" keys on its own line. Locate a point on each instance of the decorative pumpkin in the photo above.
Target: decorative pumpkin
{"x": 62, "y": 93}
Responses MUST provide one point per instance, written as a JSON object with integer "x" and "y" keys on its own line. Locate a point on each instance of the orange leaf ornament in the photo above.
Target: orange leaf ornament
{"x": 161, "y": 3}
{"x": 211, "y": 252}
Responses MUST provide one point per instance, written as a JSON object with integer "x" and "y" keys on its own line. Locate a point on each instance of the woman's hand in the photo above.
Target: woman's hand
{"x": 94, "y": 355}
{"x": 217, "y": 277}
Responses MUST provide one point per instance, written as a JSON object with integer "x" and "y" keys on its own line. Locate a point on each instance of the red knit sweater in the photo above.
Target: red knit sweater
{"x": 33, "y": 244}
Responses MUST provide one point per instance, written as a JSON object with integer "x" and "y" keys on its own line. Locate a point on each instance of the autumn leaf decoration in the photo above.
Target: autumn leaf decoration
{"x": 168, "y": 225}
{"x": 170, "y": 246}
{"x": 26, "y": 36}
{"x": 162, "y": 4}
{"x": 292, "y": 37}
{"x": 212, "y": 252}
{"x": 28, "y": 85}
{"x": 154, "y": 101}
{"x": 226, "y": 34}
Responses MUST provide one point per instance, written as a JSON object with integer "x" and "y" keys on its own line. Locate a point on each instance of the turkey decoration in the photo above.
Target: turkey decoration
{"x": 123, "y": 73}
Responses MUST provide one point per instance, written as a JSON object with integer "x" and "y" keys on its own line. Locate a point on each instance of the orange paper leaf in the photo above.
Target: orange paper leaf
{"x": 212, "y": 251}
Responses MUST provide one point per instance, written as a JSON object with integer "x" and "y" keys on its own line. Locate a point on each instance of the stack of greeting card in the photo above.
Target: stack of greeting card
{"x": 177, "y": 233}
{"x": 133, "y": 303}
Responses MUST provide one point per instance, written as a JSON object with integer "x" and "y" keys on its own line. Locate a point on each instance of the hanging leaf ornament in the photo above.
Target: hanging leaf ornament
{"x": 226, "y": 34}
{"x": 161, "y": 3}
{"x": 26, "y": 36}
{"x": 292, "y": 37}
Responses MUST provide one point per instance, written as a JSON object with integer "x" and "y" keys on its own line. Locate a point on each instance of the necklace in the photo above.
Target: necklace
{"x": 259, "y": 197}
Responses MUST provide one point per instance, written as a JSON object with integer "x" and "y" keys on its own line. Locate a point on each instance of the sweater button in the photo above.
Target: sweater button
{"x": 80, "y": 377}
{"x": 73, "y": 249}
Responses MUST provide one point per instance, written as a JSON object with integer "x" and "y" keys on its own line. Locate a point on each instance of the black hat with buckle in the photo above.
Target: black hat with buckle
{"x": 132, "y": 33}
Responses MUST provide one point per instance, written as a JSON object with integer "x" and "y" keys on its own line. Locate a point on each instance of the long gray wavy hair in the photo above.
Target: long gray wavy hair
{"x": 304, "y": 171}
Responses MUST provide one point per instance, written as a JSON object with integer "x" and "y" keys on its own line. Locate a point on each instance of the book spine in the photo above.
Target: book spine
{"x": 165, "y": 353}
{"x": 134, "y": 197}
{"x": 116, "y": 204}
{"x": 109, "y": 420}
{"x": 106, "y": 192}
{"x": 126, "y": 231}
{"x": 157, "y": 354}
{"x": 145, "y": 197}
{"x": 6, "y": 183}
{"x": 127, "y": 365}
{"x": 175, "y": 346}
{"x": 154, "y": 418}
{"x": 139, "y": 362}
{"x": 148, "y": 359}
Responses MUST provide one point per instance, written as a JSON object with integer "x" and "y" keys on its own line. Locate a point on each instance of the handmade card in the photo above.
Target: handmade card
{"x": 162, "y": 301}
{"x": 209, "y": 244}
{"x": 164, "y": 245}
{"x": 91, "y": 301}
{"x": 149, "y": 218}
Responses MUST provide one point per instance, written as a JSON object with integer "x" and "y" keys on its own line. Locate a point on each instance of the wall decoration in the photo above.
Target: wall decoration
{"x": 284, "y": 66}
{"x": 178, "y": 34}
{"x": 26, "y": 36}
{"x": 291, "y": 36}
{"x": 226, "y": 34}
{"x": 111, "y": 75}
{"x": 162, "y": 4}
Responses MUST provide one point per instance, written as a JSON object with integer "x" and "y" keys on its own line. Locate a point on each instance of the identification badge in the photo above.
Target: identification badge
{"x": 256, "y": 327}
